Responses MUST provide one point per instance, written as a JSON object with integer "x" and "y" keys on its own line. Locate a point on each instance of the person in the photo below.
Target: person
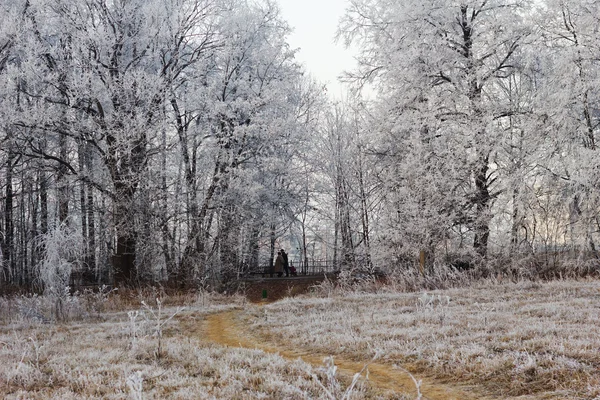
{"x": 278, "y": 264}
{"x": 286, "y": 264}
{"x": 293, "y": 271}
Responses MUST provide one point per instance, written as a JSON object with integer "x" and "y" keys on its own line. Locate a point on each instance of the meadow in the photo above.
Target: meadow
{"x": 524, "y": 340}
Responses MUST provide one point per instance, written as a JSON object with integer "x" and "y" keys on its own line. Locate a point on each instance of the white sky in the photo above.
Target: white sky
{"x": 314, "y": 23}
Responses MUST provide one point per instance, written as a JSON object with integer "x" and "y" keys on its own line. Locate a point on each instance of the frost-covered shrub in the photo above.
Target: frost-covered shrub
{"x": 334, "y": 389}
{"x": 33, "y": 308}
{"x": 325, "y": 288}
{"x": 94, "y": 301}
{"x": 61, "y": 248}
{"x": 135, "y": 383}
{"x": 345, "y": 280}
{"x": 7, "y": 309}
{"x": 441, "y": 277}
{"x": 50, "y": 308}
{"x": 149, "y": 322}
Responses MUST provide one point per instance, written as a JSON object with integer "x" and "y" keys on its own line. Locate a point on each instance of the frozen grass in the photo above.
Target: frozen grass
{"x": 513, "y": 339}
{"x": 149, "y": 356}
{"x": 541, "y": 340}
{"x": 99, "y": 304}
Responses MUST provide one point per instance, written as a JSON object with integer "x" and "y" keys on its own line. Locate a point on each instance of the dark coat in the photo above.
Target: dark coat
{"x": 278, "y": 264}
{"x": 286, "y": 264}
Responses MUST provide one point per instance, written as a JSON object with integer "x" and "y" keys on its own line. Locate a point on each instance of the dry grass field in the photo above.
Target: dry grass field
{"x": 147, "y": 352}
{"x": 539, "y": 340}
{"x": 506, "y": 341}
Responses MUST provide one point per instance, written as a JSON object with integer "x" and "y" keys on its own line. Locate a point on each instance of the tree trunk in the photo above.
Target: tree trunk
{"x": 253, "y": 248}
{"x": 364, "y": 213}
{"x": 84, "y": 277}
{"x": 167, "y": 243}
{"x": 125, "y": 167}
{"x": 91, "y": 237}
{"x": 482, "y": 204}
{"x": 482, "y": 198}
{"x": 105, "y": 241}
{"x": 63, "y": 186}
{"x": 8, "y": 242}
{"x": 124, "y": 266}
{"x": 43, "y": 185}
{"x": 88, "y": 273}
{"x": 516, "y": 222}
{"x": 192, "y": 248}
{"x": 272, "y": 248}
{"x": 228, "y": 241}
{"x": 33, "y": 199}
{"x": 343, "y": 209}
{"x": 23, "y": 253}
{"x": 197, "y": 235}
{"x": 124, "y": 260}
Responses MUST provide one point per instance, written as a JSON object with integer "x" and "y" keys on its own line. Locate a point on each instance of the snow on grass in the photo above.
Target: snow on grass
{"x": 514, "y": 339}
{"x": 114, "y": 357}
{"x": 540, "y": 340}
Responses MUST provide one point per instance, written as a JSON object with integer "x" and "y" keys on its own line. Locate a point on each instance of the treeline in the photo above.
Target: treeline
{"x": 481, "y": 140}
{"x": 179, "y": 141}
{"x": 145, "y": 141}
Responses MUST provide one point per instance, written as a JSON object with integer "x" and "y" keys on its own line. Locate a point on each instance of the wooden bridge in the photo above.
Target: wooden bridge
{"x": 309, "y": 268}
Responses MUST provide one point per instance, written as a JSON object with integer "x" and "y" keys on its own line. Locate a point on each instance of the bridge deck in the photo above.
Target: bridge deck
{"x": 314, "y": 269}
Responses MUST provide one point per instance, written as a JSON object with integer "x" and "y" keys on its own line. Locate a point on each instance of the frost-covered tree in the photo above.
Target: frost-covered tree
{"x": 437, "y": 66}
{"x": 569, "y": 98}
{"x": 12, "y": 32}
{"x": 149, "y": 122}
{"x": 236, "y": 127}
{"x": 348, "y": 172}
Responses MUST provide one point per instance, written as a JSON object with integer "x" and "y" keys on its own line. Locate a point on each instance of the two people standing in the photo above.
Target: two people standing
{"x": 282, "y": 264}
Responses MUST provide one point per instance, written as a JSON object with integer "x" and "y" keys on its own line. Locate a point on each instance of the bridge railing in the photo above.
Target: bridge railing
{"x": 310, "y": 268}
{"x": 315, "y": 267}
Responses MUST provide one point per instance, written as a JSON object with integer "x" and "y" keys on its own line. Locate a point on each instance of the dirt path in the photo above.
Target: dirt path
{"x": 224, "y": 329}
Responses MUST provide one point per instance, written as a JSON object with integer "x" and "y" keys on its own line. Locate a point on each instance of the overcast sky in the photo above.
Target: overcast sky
{"x": 315, "y": 23}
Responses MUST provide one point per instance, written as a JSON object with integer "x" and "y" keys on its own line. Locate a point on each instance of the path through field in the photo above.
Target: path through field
{"x": 225, "y": 329}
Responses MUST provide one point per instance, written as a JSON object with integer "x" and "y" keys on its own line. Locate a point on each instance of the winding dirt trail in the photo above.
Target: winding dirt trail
{"x": 225, "y": 329}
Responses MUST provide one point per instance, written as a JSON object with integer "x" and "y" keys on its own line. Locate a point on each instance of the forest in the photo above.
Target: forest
{"x": 179, "y": 142}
